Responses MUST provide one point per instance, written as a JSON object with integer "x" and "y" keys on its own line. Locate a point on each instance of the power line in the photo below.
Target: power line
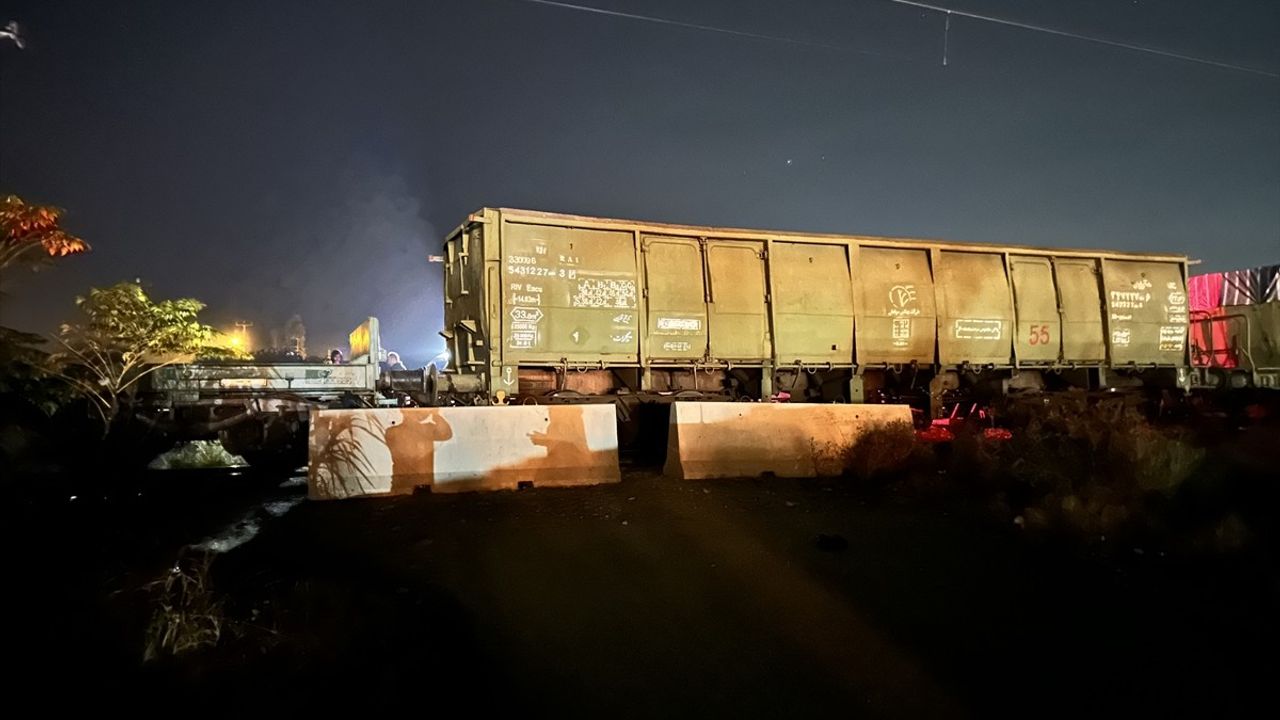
{"x": 910, "y": 3}
{"x": 1087, "y": 38}
{"x": 709, "y": 28}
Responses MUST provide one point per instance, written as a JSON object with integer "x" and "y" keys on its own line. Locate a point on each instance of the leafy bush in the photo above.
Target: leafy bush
{"x": 884, "y": 450}
{"x": 195, "y": 455}
{"x": 33, "y": 234}
{"x": 24, "y": 373}
{"x": 1095, "y": 468}
{"x": 121, "y": 337}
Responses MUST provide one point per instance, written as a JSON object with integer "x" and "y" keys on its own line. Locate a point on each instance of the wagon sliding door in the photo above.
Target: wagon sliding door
{"x": 812, "y": 303}
{"x": 736, "y": 289}
{"x": 975, "y": 311}
{"x": 1039, "y": 332}
{"x": 569, "y": 293}
{"x": 1146, "y": 312}
{"x": 677, "y": 323}
{"x": 1081, "y": 300}
{"x": 896, "y": 311}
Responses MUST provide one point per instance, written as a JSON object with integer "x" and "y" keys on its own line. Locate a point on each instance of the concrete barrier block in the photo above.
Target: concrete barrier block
{"x": 452, "y": 449}
{"x": 722, "y": 440}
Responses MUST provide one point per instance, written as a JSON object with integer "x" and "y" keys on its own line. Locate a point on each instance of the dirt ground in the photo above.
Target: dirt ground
{"x": 651, "y": 597}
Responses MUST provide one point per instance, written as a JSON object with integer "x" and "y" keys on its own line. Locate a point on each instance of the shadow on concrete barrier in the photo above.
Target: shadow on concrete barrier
{"x": 363, "y": 452}
{"x": 723, "y": 440}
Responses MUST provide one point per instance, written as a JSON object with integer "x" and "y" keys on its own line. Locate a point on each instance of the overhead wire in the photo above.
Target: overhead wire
{"x": 710, "y": 28}
{"x": 1086, "y": 38}
{"x": 948, "y": 12}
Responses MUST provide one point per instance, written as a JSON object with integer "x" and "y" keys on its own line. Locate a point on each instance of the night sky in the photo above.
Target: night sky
{"x": 273, "y": 158}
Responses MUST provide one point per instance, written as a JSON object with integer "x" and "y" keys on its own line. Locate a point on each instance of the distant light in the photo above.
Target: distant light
{"x": 236, "y": 342}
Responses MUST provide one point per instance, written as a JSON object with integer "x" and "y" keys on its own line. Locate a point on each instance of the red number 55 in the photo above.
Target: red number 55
{"x": 1039, "y": 335}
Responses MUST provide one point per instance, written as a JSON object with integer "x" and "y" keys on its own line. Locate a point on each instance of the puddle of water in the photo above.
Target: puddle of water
{"x": 279, "y": 507}
{"x": 248, "y": 525}
{"x": 232, "y": 536}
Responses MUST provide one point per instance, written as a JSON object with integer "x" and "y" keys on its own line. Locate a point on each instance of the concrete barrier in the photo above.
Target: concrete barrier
{"x": 452, "y": 449}
{"x": 720, "y": 440}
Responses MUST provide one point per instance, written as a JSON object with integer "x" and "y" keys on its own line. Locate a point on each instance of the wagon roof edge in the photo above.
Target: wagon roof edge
{"x": 548, "y": 217}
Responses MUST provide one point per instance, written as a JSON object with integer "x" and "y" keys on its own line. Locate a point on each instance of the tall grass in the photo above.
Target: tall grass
{"x": 1092, "y": 467}
{"x": 1087, "y": 467}
{"x": 188, "y": 615}
{"x": 884, "y": 451}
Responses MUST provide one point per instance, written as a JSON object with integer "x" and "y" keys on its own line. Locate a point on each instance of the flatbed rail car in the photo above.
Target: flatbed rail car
{"x": 261, "y": 411}
{"x": 545, "y": 307}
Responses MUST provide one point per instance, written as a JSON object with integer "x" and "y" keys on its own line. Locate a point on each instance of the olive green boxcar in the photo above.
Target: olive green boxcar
{"x": 543, "y": 304}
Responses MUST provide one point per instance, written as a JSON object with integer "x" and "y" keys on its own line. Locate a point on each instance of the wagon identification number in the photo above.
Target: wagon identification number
{"x": 1039, "y": 335}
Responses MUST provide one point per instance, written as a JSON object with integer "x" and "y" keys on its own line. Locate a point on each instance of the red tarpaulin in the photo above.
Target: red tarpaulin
{"x": 1211, "y": 298}
{"x": 1209, "y": 346}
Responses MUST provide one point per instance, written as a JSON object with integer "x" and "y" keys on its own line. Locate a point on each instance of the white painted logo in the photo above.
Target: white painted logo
{"x": 902, "y": 300}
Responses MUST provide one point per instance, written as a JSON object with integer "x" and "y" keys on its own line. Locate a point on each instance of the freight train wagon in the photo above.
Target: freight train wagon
{"x": 543, "y": 307}
{"x": 1235, "y": 328}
